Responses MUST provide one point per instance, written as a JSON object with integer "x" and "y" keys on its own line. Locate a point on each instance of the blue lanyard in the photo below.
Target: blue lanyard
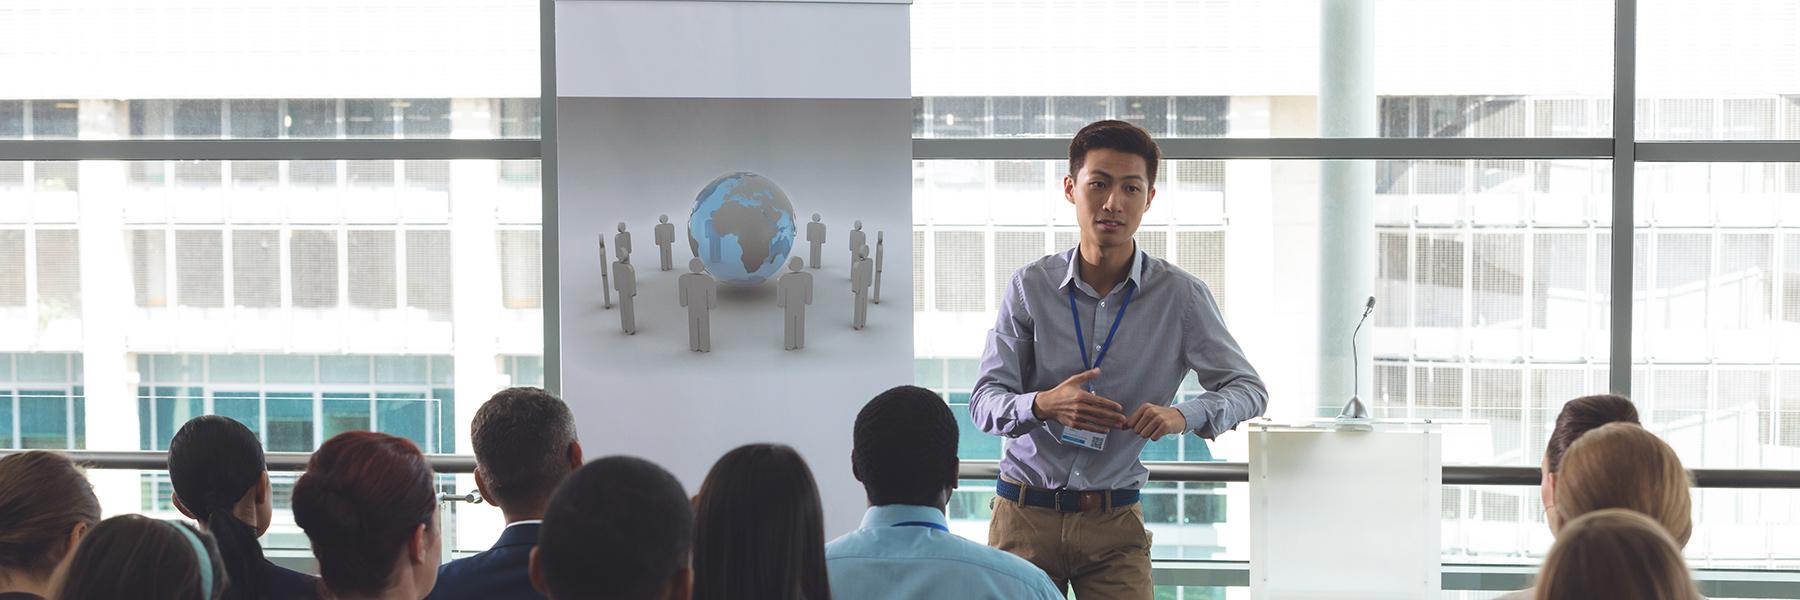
{"x": 929, "y": 524}
{"x": 1107, "y": 345}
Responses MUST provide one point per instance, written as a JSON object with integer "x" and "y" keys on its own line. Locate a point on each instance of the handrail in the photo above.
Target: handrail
{"x": 1198, "y": 472}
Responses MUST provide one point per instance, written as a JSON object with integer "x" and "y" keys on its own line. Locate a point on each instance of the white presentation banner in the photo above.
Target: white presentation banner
{"x": 739, "y": 145}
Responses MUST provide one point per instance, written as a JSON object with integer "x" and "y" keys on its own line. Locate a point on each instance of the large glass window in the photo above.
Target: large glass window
{"x": 301, "y": 297}
{"x": 42, "y": 405}
{"x": 1251, "y": 69}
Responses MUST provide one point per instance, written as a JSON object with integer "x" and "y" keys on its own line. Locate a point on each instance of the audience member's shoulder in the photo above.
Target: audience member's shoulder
{"x": 287, "y": 584}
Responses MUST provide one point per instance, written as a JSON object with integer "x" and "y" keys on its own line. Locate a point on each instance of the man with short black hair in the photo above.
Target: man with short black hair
{"x": 525, "y": 445}
{"x": 904, "y": 453}
{"x": 1082, "y": 369}
{"x": 619, "y": 528}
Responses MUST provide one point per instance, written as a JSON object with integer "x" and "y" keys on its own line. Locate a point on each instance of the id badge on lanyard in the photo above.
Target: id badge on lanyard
{"x": 1080, "y": 437}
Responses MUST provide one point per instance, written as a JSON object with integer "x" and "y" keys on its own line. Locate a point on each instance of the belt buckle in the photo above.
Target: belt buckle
{"x": 1078, "y": 501}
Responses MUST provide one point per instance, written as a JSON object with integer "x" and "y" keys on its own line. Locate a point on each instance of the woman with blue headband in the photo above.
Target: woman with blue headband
{"x": 132, "y": 556}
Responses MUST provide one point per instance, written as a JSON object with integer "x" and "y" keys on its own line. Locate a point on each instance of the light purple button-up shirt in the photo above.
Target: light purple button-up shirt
{"x": 1172, "y": 326}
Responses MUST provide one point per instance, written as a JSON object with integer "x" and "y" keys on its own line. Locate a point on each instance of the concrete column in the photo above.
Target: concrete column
{"x": 475, "y": 307}
{"x": 108, "y": 373}
{"x": 1346, "y": 199}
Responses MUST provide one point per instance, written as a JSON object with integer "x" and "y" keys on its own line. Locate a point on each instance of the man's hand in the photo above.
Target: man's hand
{"x": 1072, "y": 405}
{"x": 1154, "y": 422}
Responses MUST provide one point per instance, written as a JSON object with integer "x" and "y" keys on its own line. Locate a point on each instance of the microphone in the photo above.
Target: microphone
{"x": 1354, "y": 409}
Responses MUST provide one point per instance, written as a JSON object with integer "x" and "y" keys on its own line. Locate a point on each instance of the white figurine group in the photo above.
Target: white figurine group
{"x": 699, "y": 291}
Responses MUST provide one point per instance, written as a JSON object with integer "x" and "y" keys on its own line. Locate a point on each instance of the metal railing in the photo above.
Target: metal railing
{"x": 1214, "y": 472}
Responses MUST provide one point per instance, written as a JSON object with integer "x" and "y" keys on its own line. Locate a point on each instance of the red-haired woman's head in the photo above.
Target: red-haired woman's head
{"x": 367, "y": 504}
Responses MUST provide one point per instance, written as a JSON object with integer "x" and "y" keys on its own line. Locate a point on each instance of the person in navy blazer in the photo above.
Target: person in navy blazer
{"x": 525, "y": 445}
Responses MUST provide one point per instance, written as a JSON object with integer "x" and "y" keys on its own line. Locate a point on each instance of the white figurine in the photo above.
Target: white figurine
{"x": 861, "y": 274}
{"x": 665, "y": 239}
{"x": 815, "y": 235}
{"x": 700, "y": 295}
{"x": 622, "y": 241}
{"x": 793, "y": 291}
{"x": 878, "y": 255}
{"x": 605, "y": 284}
{"x": 858, "y": 240}
{"x": 625, "y": 281}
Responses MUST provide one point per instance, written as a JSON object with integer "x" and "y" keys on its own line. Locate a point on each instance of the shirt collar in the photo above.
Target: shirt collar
{"x": 1136, "y": 276}
{"x": 519, "y": 533}
{"x": 889, "y": 515}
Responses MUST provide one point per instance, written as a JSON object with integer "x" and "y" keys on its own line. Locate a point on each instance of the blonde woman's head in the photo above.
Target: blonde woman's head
{"x": 1621, "y": 465}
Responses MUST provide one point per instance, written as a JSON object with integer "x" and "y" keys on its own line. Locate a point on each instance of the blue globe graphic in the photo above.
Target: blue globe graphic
{"x": 742, "y": 228}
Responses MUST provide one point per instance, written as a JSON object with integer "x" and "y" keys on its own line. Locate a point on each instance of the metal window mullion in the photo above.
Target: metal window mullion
{"x": 284, "y": 252}
{"x": 32, "y": 305}
{"x": 929, "y": 269}
{"x": 374, "y": 415}
{"x": 549, "y": 222}
{"x": 989, "y": 245}
{"x": 262, "y": 401}
{"x": 68, "y": 391}
{"x": 318, "y": 402}
{"x": 343, "y": 266}
{"x": 401, "y": 277}
{"x": 171, "y": 279}
{"x": 227, "y": 264}
{"x": 282, "y": 149}
{"x": 1624, "y": 156}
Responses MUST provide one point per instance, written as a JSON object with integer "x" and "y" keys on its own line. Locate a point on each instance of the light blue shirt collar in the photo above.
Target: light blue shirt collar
{"x": 891, "y": 514}
{"x": 1073, "y": 257}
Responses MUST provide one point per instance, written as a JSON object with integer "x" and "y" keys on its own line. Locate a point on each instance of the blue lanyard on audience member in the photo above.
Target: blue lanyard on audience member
{"x": 937, "y": 526}
{"x": 1107, "y": 345}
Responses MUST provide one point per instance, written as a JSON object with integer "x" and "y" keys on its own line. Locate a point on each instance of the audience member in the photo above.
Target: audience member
{"x": 1614, "y": 553}
{"x": 46, "y": 506}
{"x": 904, "y": 454}
{"x": 758, "y": 528}
{"x": 367, "y": 504}
{"x": 1621, "y": 465}
{"x": 525, "y": 444}
{"x": 132, "y": 556}
{"x": 1578, "y": 417}
{"x": 619, "y": 528}
{"x": 216, "y": 467}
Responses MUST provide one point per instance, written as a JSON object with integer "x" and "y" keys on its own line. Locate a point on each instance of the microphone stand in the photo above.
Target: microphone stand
{"x": 1355, "y": 413}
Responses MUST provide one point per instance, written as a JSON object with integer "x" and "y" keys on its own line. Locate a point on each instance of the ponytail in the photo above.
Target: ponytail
{"x": 245, "y": 566}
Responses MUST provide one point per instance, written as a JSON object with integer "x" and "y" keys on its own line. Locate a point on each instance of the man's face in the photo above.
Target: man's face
{"x": 1110, "y": 193}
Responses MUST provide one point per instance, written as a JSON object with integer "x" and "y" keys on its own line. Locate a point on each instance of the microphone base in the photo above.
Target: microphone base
{"x": 1354, "y": 410}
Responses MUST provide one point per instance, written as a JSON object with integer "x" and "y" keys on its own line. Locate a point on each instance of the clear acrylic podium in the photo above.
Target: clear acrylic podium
{"x": 1345, "y": 513}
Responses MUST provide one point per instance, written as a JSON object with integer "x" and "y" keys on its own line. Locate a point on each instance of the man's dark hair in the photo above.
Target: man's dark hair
{"x": 618, "y": 527}
{"x": 1113, "y": 135}
{"x": 521, "y": 439}
{"x": 905, "y": 447}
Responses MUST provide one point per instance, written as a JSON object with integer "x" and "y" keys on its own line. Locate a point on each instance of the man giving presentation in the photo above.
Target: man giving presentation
{"x": 1082, "y": 368}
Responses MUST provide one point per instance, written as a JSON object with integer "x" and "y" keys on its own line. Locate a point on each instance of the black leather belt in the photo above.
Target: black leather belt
{"x": 1068, "y": 501}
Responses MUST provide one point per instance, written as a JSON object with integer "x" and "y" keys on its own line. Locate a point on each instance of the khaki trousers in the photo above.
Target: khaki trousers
{"x": 1104, "y": 553}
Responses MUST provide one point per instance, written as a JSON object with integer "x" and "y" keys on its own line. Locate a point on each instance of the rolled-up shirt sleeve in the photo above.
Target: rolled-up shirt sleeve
{"x": 1234, "y": 393}
{"x": 1000, "y": 404}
